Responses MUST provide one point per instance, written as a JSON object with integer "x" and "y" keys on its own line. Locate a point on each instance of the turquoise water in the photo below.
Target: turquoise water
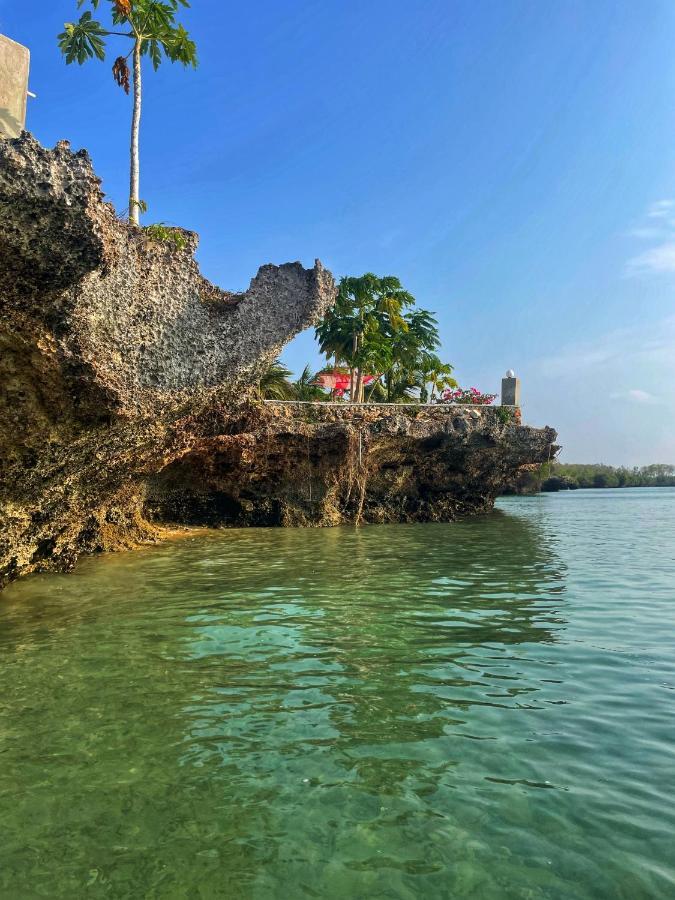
{"x": 476, "y": 710}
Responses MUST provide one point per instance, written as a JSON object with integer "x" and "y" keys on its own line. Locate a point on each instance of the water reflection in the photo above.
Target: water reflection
{"x": 273, "y": 700}
{"x": 344, "y": 675}
{"x": 401, "y": 712}
{"x": 370, "y": 628}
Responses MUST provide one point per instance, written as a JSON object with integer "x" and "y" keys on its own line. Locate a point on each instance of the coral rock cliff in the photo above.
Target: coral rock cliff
{"x": 114, "y": 351}
{"x": 332, "y": 464}
{"x": 122, "y": 392}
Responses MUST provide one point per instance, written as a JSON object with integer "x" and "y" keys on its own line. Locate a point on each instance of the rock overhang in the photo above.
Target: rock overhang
{"x": 122, "y": 367}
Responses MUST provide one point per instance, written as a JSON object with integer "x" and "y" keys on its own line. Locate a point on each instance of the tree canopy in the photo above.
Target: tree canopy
{"x": 151, "y": 22}
{"x": 152, "y": 29}
{"x": 373, "y": 330}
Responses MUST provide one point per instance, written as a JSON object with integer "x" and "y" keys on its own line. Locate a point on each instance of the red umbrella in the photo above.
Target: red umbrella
{"x": 339, "y": 382}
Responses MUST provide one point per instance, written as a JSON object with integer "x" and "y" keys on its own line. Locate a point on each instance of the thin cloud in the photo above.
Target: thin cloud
{"x": 646, "y": 233}
{"x": 660, "y": 209}
{"x": 636, "y": 395}
{"x": 619, "y": 350}
{"x": 658, "y": 227}
{"x": 657, "y": 260}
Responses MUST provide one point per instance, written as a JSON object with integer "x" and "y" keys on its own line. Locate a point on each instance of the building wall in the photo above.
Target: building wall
{"x": 14, "y": 63}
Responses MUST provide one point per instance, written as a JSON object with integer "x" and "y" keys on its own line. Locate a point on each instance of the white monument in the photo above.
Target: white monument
{"x": 14, "y": 64}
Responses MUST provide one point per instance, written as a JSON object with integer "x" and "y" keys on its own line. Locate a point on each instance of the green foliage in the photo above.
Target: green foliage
{"x": 275, "y": 383}
{"x": 151, "y": 22}
{"x": 372, "y": 330}
{"x": 436, "y": 374}
{"x": 305, "y": 388}
{"x": 569, "y": 476}
{"x": 83, "y": 40}
{"x": 164, "y": 234}
{"x": 504, "y": 414}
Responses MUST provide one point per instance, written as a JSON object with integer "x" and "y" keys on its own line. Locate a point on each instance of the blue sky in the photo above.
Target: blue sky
{"x": 512, "y": 161}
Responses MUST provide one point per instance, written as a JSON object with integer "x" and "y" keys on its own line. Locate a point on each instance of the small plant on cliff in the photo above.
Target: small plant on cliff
{"x": 151, "y": 27}
{"x": 164, "y": 234}
{"x": 504, "y": 414}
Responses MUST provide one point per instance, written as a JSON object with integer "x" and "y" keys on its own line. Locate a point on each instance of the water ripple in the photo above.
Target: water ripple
{"x": 482, "y": 709}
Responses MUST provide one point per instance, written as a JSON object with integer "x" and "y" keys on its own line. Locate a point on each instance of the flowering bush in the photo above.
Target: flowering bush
{"x": 467, "y": 395}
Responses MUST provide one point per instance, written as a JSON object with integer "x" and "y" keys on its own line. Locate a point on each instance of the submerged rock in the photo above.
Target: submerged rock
{"x": 123, "y": 376}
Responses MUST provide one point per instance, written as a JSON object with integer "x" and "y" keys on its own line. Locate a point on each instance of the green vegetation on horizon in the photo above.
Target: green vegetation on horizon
{"x": 153, "y": 32}
{"x": 558, "y": 476}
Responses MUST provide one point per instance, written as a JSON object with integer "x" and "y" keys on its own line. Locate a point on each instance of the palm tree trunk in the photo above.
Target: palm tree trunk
{"x": 134, "y": 180}
{"x": 372, "y": 390}
{"x": 352, "y": 370}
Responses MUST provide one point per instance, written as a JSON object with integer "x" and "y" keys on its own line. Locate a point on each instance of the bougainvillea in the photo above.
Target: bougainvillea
{"x": 467, "y": 395}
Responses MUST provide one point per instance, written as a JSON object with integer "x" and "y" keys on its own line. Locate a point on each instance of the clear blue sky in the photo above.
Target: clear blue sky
{"x": 512, "y": 161}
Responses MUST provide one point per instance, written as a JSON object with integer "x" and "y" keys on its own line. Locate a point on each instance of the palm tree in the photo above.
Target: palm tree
{"x": 353, "y": 331}
{"x": 409, "y": 348}
{"x": 153, "y": 31}
{"x": 435, "y": 373}
{"x": 275, "y": 383}
{"x": 305, "y": 387}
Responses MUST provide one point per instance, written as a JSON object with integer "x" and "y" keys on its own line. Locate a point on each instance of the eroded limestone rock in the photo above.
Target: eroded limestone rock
{"x": 331, "y": 464}
{"x": 112, "y": 346}
{"x": 123, "y": 379}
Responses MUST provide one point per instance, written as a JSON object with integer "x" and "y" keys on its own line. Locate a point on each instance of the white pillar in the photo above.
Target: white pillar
{"x": 14, "y": 60}
{"x": 510, "y": 389}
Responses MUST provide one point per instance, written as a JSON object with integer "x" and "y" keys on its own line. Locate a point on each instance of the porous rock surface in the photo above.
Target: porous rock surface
{"x": 124, "y": 378}
{"x": 332, "y": 464}
{"x": 113, "y": 350}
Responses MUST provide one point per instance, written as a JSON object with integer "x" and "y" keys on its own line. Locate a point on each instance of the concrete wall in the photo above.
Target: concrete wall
{"x": 14, "y": 62}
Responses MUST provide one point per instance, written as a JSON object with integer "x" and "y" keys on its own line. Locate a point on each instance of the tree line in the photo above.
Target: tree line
{"x": 558, "y": 476}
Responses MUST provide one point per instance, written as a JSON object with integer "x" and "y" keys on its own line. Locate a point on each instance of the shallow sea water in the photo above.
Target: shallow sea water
{"x": 483, "y": 709}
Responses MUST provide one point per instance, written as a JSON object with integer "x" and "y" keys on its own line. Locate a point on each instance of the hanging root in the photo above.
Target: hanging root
{"x": 362, "y": 479}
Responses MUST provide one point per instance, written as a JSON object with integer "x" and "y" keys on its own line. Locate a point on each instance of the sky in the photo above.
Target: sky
{"x": 511, "y": 161}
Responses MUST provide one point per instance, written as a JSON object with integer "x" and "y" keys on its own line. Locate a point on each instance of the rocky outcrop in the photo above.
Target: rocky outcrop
{"x": 113, "y": 348}
{"x": 123, "y": 400}
{"x": 331, "y": 464}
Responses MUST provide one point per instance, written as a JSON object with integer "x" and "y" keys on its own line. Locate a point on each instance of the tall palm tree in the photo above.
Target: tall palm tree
{"x": 151, "y": 27}
{"x": 352, "y": 331}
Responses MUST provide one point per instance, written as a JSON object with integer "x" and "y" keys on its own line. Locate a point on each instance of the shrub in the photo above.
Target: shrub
{"x": 467, "y": 395}
{"x": 164, "y": 234}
